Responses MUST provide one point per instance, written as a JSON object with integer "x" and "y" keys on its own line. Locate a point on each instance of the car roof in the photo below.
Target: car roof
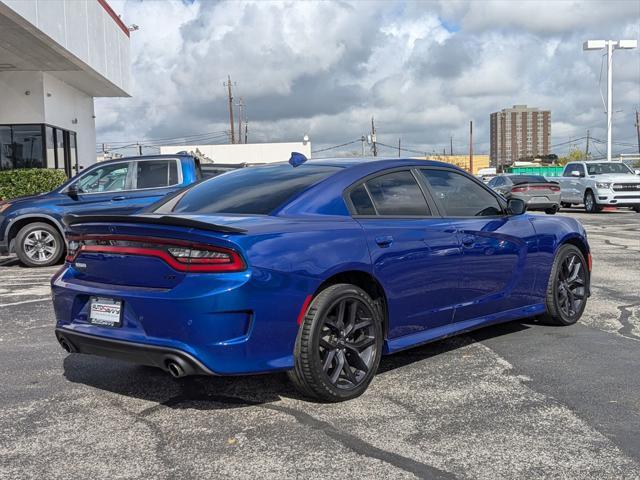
{"x": 377, "y": 162}
{"x": 141, "y": 157}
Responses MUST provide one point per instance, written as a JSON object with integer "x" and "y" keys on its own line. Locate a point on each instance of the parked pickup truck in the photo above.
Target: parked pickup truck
{"x": 599, "y": 184}
{"x": 32, "y": 226}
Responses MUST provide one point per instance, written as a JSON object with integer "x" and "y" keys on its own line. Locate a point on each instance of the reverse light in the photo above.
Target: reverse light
{"x": 181, "y": 255}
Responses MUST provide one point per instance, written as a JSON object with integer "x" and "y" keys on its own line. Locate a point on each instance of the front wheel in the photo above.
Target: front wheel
{"x": 339, "y": 344}
{"x": 567, "y": 287}
{"x": 39, "y": 245}
{"x": 590, "y": 204}
{"x": 552, "y": 210}
{"x": 636, "y": 209}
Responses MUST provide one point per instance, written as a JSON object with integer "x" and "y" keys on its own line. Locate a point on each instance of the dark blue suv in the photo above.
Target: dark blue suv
{"x": 32, "y": 226}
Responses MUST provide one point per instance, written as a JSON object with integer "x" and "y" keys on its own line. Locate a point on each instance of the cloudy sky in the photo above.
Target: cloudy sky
{"x": 422, "y": 69}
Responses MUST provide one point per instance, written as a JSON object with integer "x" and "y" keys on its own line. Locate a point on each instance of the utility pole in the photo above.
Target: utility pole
{"x": 228, "y": 85}
{"x": 586, "y": 153}
{"x": 246, "y": 130}
{"x": 638, "y": 129}
{"x": 139, "y": 150}
{"x": 373, "y": 138}
{"x": 399, "y": 155}
{"x": 363, "y": 139}
{"x": 240, "y": 106}
{"x": 471, "y": 147}
{"x": 451, "y": 145}
{"x": 610, "y": 46}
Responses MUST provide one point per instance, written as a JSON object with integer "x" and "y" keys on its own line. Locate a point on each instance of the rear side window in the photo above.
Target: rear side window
{"x": 460, "y": 196}
{"x": 397, "y": 193}
{"x": 361, "y": 201}
{"x": 156, "y": 173}
{"x": 250, "y": 191}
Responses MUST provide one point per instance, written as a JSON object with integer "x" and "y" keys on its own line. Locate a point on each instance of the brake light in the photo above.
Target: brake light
{"x": 526, "y": 188}
{"x": 181, "y": 255}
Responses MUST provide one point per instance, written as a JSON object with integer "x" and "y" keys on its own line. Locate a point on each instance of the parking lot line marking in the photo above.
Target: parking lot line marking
{"x": 25, "y": 301}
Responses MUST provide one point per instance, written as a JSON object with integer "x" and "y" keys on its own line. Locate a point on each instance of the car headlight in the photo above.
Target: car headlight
{"x": 4, "y": 206}
{"x": 603, "y": 185}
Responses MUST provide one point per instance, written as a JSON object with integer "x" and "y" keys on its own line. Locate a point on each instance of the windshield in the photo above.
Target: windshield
{"x": 607, "y": 167}
{"x": 518, "y": 179}
{"x": 250, "y": 191}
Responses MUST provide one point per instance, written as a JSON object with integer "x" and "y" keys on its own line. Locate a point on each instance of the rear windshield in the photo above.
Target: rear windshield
{"x": 608, "y": 167}
{"x": 518, "y": 179}
{"x": 250, "y": 191}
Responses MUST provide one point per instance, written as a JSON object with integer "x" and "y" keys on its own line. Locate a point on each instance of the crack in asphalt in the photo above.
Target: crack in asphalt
{"x": 161, "y": 440}
{"x": 193, "y": 393}
{"x": 624, "y": 247}
{"x": 627, "y": 327}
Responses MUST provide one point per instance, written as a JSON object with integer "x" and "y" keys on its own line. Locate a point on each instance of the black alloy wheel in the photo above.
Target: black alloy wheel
{"x": 567, "y": 290}
{"x": 339, "y": 344}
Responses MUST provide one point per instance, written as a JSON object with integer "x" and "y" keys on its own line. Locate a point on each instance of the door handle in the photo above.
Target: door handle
{"x": 384, "y": 241}
{"x": 118, "y": 199}
{"x": 468, "y": 240}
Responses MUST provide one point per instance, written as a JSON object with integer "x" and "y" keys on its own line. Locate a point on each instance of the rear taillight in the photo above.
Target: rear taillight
{"x": 180, "y": 255}
{"x": 528, "y": 188}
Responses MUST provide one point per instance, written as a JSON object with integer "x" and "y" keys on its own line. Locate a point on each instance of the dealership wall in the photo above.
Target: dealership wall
{"x": 245, "y": 152}
{"x": 51, "y": 101}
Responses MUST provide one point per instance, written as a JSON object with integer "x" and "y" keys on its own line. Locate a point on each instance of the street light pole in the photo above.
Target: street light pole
{"x": 610, "y": 45}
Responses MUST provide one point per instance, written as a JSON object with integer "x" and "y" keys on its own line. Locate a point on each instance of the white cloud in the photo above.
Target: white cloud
{"x": 324, "y": 68}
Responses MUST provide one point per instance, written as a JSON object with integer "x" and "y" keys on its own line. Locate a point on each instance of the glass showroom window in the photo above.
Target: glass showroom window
{"x": 38, "y": 146}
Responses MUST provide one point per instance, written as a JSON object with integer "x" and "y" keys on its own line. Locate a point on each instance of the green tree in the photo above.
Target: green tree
{"x": 574, "y": 155}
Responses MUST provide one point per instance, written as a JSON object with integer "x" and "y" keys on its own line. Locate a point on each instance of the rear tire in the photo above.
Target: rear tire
{"x": 552, "y": 210}
{"x": 39, "y": 245}
{"x": 590, "y": 204}
{"x": 567, "y": 288}
{"x": 339, "y": 345}
{"x": 636, "y": 209}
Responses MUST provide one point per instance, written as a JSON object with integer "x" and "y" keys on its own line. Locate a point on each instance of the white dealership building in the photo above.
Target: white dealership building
{"x": 55, "y": 57}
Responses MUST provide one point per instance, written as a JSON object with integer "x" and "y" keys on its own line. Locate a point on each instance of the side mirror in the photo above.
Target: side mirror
{"x": 637, "y": 171}
{"x": 575, "y": 173}
{"x": 72, "y": 191}
{"x": 516, "y": 206}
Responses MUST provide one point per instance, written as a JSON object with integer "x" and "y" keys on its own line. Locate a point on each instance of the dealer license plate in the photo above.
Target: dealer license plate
{"x": 105, "y": 312}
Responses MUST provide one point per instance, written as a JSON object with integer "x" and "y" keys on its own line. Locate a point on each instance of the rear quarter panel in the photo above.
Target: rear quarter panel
{"x": 552, "y": 232}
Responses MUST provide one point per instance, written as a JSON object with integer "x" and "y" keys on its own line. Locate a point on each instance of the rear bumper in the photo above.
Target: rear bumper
{"x": 151, "y": 355}
{"x": 539, "y": 202}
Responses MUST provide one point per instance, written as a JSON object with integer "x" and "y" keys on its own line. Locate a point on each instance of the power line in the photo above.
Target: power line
{"x": 335, "y": 146}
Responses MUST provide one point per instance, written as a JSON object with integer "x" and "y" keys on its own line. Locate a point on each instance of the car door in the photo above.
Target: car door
{"x": 152, "y": 179}
{"x": 495, "y": 275}
{"x": 572, "y": 183}
{"x": 104, "y": 188}
{"x": 413, "y": 251}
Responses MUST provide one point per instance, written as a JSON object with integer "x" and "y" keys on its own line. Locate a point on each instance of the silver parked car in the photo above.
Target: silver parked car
{"x": 535, "y": 190}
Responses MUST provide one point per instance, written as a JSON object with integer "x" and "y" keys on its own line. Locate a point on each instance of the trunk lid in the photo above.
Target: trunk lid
{"x": 150, "y": 251}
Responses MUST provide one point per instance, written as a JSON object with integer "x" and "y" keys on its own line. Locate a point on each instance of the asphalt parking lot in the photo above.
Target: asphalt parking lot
{"x": 520, "y": 400}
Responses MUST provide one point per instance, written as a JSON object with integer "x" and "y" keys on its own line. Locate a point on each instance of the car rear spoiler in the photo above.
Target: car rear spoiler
{"x": 173, "y": 220}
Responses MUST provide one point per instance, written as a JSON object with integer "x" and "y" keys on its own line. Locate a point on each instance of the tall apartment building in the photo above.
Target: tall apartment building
{"x": 519, "y": 133}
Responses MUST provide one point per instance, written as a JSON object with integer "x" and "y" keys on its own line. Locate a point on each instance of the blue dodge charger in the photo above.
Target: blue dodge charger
{"x": 316, "y": 267}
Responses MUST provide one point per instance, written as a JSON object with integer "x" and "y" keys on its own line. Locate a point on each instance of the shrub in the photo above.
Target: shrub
{"x": 29, "y": 181}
